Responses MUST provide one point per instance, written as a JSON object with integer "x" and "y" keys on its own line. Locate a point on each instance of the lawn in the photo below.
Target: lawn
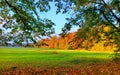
{"x": 20, "y": 58}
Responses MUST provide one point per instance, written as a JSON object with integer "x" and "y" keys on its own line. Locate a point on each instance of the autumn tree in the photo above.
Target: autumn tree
{"x": 52, "y": 42}
{"x": 42, "y": 43}
{"x": 93, "y": 13}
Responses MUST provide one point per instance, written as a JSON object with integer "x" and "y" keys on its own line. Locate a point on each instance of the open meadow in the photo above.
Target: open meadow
{"x": 36, "y": 61}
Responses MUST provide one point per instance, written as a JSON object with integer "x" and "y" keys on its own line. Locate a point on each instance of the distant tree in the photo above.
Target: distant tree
{"x": 42, "y": 43}
{"x": 52, "y": 42}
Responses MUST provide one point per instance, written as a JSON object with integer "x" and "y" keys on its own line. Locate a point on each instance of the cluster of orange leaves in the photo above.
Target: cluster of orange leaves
{"x": 107, "y": 68}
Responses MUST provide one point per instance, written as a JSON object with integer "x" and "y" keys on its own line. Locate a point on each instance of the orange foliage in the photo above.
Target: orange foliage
{"x": 70, "y": 41}
{"x": 106, "y": 28}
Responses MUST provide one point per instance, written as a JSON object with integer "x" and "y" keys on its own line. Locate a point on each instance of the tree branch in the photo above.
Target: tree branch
{"x": 16, "y": 10}
{"x": 108, "y": 19}
{"x": 118, "y": 19}
{"x": 11, "y": 5}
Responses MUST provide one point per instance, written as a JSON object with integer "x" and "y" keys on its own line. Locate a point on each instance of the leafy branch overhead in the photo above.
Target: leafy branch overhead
{"x": 24, "y": 19}
{"x": 93, "y": 13}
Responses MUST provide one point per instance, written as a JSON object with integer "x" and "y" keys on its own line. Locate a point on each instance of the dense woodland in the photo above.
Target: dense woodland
{"x": 95, "y": 39}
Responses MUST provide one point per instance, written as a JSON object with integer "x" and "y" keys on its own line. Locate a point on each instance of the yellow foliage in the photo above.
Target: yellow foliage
{"x": 107, "y": 28}
{"x": 100, "y": 47}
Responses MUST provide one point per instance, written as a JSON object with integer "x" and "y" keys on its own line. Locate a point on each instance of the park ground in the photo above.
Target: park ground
{"x": 37, "y": 61}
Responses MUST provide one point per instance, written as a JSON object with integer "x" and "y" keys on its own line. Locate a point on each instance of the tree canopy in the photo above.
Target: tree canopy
{"x": 22, "y": 16}
{"x": 23, "y": 19}
{"x": 88, "y": 14}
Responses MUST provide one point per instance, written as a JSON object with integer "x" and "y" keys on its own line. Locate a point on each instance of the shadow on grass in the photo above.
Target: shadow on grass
{"x": 116, "y": 56}
{"x": 85, "y": 60}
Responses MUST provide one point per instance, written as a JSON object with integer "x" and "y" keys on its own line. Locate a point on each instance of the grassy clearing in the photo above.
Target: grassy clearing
{"x": 22, "y": 57}
{"x": 30, "y": 61}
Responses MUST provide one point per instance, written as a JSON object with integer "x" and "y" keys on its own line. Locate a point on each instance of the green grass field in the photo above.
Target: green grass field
{"x": 22, "y": 57}
{"x": 36, "y": 61}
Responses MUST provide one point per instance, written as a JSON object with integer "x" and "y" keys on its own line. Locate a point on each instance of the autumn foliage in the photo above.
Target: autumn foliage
{"x": 93, "y": 39}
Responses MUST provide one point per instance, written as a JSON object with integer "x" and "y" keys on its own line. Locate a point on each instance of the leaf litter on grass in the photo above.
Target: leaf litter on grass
{"x": 106, "y": 68}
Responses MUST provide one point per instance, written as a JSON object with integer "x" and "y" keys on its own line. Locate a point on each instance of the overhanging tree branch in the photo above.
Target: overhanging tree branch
{"x": 16, "y": 10}
{"x": 108, "y": 19}
{"x": 118, "y": 19}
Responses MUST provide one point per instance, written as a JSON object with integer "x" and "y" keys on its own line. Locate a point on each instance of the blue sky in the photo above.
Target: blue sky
{"x": 58, "y": 19}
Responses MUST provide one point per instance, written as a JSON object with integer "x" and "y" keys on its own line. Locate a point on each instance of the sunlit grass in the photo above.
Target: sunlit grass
{"x": 22, "y": 57}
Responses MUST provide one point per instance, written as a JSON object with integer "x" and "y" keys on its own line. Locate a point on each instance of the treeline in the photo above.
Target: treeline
{"x": 96, "y": 39}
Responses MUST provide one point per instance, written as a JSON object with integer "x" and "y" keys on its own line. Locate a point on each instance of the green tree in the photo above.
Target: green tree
{"x": 22, "y": 19}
